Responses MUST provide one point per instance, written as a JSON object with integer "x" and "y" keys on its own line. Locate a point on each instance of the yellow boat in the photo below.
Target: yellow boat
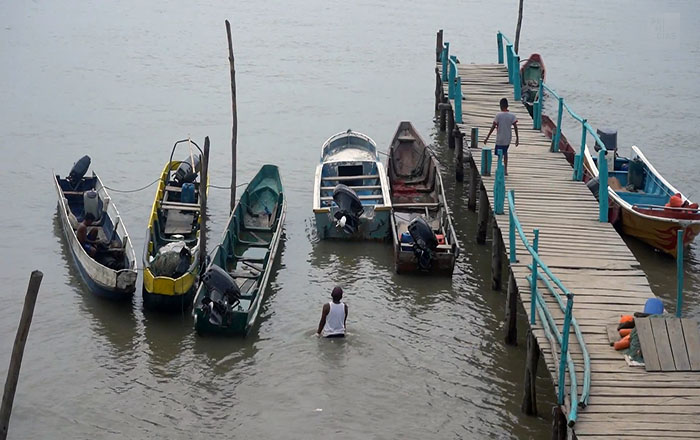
{"x": 171, "y": 253}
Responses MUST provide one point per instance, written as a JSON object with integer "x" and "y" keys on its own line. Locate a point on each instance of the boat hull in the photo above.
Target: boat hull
{"x": 407, "y": 262}
{"x": 657, "y": 232}
{"x": 168, "y": 303}
{"x": 375, "y": 226}
{"x": 102, "y": 281}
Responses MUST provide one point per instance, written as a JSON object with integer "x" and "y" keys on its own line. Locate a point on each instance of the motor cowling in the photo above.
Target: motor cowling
{"x": 79, "y": 169}
{"x": 186, "y": 172}
{"x": 424, "y": 241}
{"x": 223, "y": 295}
{"x": 349, "y": 208}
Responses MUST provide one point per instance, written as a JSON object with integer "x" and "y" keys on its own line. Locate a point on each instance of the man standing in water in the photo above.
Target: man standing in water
{"x": 504, "y": 120}
{"x": 333, "y": 316}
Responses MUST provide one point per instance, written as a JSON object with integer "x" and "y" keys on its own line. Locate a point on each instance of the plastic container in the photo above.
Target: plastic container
{"x": 406, "y": 237}
{"x": 91, "y": 204}
{"x": 187, "y": 193}
{"x": 654, "y": 306}
{"x": 440, "y": 238}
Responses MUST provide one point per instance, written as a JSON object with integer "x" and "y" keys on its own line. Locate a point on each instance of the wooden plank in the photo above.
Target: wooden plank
{"x": 343, "y": 178}
{"x": 330, "y": 188}
{"x": 663, "y": 346}
{"x": 675, "y": 336}
{"x": 692, "y": 342}
{"x": 646, "y": 340}
{"x": 373, "y": 197}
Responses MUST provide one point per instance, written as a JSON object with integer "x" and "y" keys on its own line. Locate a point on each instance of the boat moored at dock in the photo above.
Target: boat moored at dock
{"x": 421, "y": 227}
{"x": 351, "y": 193}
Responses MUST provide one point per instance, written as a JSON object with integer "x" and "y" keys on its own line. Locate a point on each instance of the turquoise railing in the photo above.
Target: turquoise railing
{"x": 513, "y": 63}
{"x": 538, "y": 306}
{"x": 450, "y": 74}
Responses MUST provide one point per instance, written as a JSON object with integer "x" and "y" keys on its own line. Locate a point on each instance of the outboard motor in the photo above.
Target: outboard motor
{"x": 186, "y": 173}
{"x": 349, "y": 208}
{"x": 224, "y": 295}
{"x": 424, "y": 241}
{"x": 78, "y": 171}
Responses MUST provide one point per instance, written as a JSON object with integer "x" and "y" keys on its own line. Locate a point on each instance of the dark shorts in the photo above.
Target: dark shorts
{"x": 89, "y": 248}
{"x": 503, "y": 148}
{"x": 339, "y": 335}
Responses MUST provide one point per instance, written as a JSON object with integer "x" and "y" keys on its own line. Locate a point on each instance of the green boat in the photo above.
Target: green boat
{"x": 232, "y": 290}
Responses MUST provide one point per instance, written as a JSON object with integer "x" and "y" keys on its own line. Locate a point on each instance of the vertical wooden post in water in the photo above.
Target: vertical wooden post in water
{"x": 483, "y": 219}
{"x": 234, "y": 130}
{"x": 679, "y": 272}
{"x": 559, "y": 425}
{"x": 459, "y": 168}
{"x": 473, "y": 182}
{"x": 529, "y": 405}
{"x": 25, "y": 321}
{"x": 438, "y": 89}
{"x": 443, "y": 106}
{"x": 450, "y": 128}
{"x": 438, "y": 46}
{"x": 512, "y": 311}
{"x": 203, "y": 186}
{"x": 496, "y": 257}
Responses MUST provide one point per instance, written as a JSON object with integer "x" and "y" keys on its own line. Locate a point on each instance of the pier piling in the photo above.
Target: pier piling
{"x": 451, "y": 128}
{"x": 443, "y": 106}
{"x": 496, "y": 257}
{"x": 473, "y": 182}
{"x": 512, "y": 311}
{"x": 459, "y": 166}
{"x": 484, "y": 212}
{"x": 234, "y": 114}
{"x": 529, "y": 405}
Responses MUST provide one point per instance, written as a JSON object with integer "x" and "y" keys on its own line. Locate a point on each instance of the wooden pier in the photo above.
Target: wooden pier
{"x": 587, "y": 255}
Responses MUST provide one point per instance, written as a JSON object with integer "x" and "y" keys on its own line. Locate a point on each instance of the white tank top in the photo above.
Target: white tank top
{"x": 335, "y": 320}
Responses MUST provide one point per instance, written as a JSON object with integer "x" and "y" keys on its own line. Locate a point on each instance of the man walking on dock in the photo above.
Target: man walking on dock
{"x": 333, "y": 316}
{"x": 503, "y": 121}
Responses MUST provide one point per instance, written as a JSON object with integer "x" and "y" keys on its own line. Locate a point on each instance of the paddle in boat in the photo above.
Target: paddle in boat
{"x": 107, "y": 263}
{"x": 421, "y": 226}
{"x": 351, "y": 193}
{"x": 233, "y": 286}
{"x": 171, "y": 253}
{"x": 531, "y": 73}
{"x": 642, "y": 203}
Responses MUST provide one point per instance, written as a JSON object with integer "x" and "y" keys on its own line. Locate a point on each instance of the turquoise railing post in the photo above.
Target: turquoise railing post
{"x": 499, "y": 39}
{"x": 451, "y": 74}
{"x": 565, "y": 349}
{"x": 557, "y": 136}
{"x": 509, "y": 57}
{"x": 578, "y": 162}
{"x": 511, "y": 229}
{"x": 603, "y": 185}
{"x": 533, "y": 279}
{"x": 445, "y": 59}
{"x": 499, "y": 186}
{"x": 458, "y": 100}
{"x": 485, "y": 161}
{"x": 679, "y": 272}
{"x": 517, "y": 94}
{"x": 537, "y": 110}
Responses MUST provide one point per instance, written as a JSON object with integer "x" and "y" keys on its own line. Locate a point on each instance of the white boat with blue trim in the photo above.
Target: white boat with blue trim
{"x": 111, "y": 272}
{"x": 351, "y": 190}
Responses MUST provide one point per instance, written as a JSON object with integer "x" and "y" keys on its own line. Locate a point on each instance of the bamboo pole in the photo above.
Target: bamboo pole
{"x": 234, "y": 130}
{"x": 25, "y": 321}
{"x": 517, "y": 29}
{"x": 203, "y": 194}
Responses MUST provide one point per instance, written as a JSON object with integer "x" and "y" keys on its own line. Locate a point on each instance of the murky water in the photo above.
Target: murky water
{"x": 123, "y": 81}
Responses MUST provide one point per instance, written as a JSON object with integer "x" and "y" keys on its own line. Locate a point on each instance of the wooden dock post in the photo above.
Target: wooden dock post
{"x": 512, "y": 311}
{"x": 473, "y": 182}
{"x": 203, "y": 186}
{"x": 438, "y": 89}
{"x": 483, "y": 219}
{"x": 529, "y": 405}
{"x": 25, "y": 321}
{"x": 496, "y": 256}
{"x": 438, "y": 46}
{"x": 450, "y": 128}
{"x": 459, "y": 166}
{"x": 234, "y": 129}
{"x": 559, "y": 424}
{"x": 443, "y": 106}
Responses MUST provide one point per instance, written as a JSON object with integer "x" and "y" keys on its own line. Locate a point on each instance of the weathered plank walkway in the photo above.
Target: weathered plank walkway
{"x": 591, "y": 260}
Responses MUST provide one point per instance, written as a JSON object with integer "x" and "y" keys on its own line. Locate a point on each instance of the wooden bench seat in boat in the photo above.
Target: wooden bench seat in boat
{"x": 331, "y": 188}
{"x": 342, "y": 178}
{"x": 193, "y": 207}
{"x": 372, "y": 197}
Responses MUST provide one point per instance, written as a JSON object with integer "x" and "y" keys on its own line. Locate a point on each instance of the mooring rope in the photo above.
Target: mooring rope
{"x": 157, "y": 180}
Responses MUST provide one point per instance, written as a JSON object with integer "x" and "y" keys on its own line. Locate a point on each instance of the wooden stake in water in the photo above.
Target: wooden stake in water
{"x": 679, "y": 273}
{"x": 234, "y": 130}
{"x": 203, "y": 194}
{"x": 25, "y": 321}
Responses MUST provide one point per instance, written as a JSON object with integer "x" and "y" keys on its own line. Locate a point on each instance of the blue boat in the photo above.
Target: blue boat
{"x": 111, "y": 273}
{"x": 351, "y": 191}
